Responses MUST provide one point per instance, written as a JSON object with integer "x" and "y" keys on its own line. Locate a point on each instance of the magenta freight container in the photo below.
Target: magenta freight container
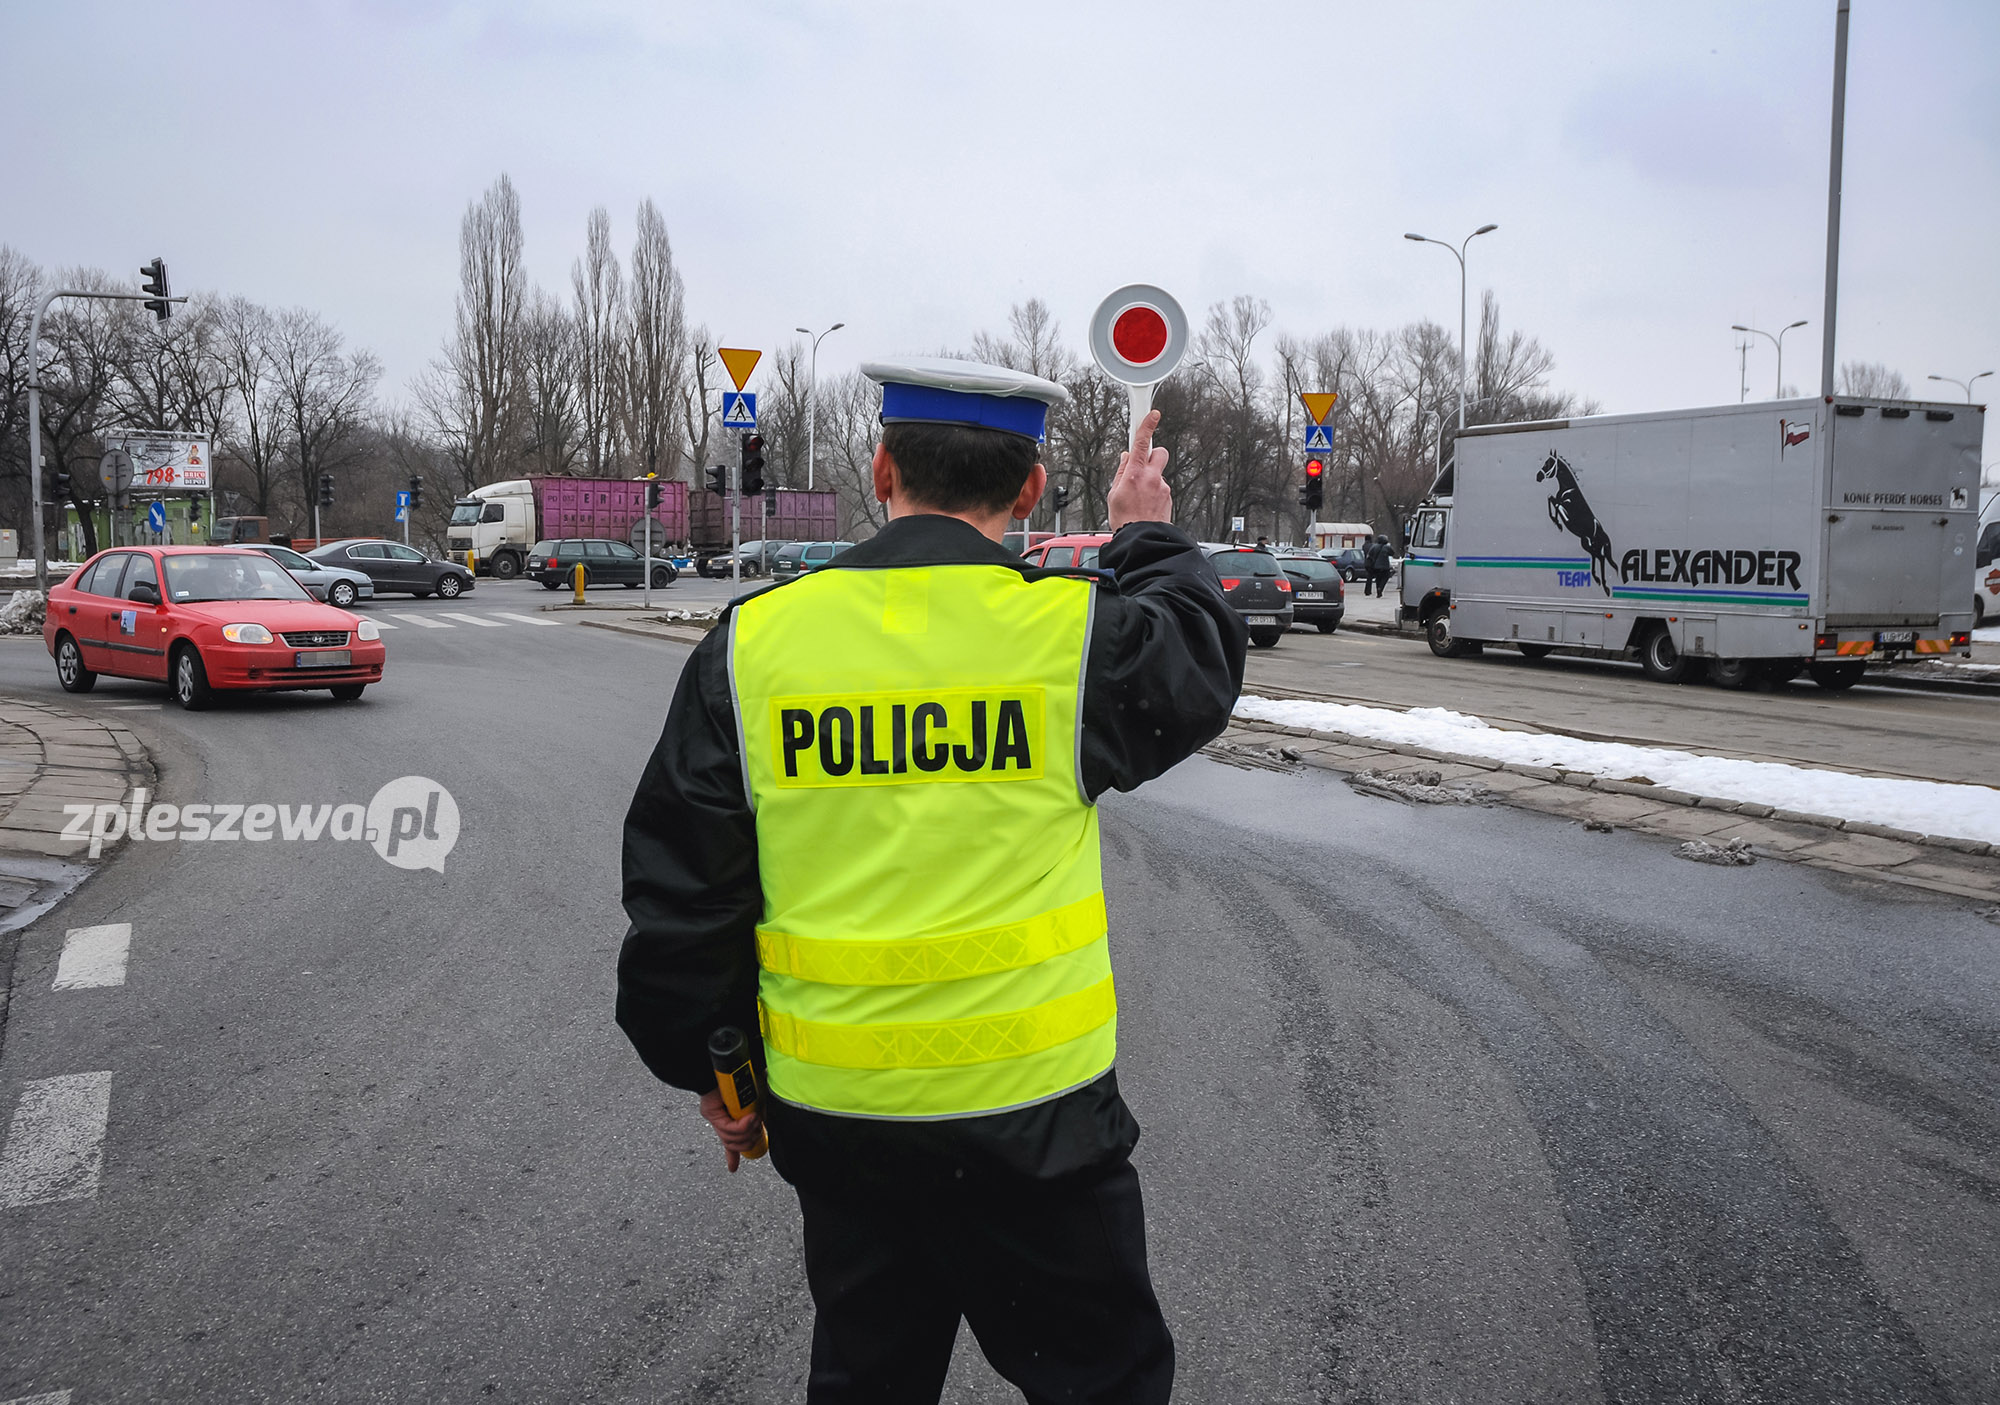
{"x": 608, "y": 507}
{"x": 801, "y": 517}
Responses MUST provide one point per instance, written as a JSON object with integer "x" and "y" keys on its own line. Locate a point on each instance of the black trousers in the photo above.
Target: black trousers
{"x": 1378, "y": 583}
{"x": 1050, "y": 1274}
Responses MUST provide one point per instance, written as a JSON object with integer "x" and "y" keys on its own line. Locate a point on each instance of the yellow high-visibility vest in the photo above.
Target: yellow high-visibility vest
{"x": 933, "y": 940}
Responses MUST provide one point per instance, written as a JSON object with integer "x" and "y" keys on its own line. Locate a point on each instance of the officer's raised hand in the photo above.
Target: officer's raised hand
{"x": 1139, "y": 492}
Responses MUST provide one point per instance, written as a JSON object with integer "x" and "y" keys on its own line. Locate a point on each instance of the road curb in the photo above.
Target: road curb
{"x": 50, "y": 758}
{"x": 1942, "y": 863}
{"x": 666, "y": 633}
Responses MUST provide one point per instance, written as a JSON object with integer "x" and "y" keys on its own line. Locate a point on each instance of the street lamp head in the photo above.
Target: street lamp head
{"x": 1486, "y": 229}
{"x": 806, "y": 330}
{"x": 1800, "y": 323}
{"x": 836, "y": 326}
{"x": 1418, "y": 237}
{"x": 1738, "y": 327}
{"x": 1933, "y": 378}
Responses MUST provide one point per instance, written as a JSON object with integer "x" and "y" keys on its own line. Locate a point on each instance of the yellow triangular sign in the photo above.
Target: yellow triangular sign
{"x": 1319, "y": 404}
{"x": 739, "y": 362}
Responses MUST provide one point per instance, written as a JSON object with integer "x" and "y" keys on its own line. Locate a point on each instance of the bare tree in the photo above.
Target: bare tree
{"x": 599, "y": 290}
{"x": 655, "y": 349}
{"x": 246, "y": 334}
{"x": 1872, "y": 379}
{"x": 849, "y": 428}
{"x": 700, "y": 403}
{"x": 323, "y": 397}
{"x": 1085, "y": 438}
{"x": 781, "y": 414}
{"x": 470, "y": 396}
{"x": 1034, "y": 344}
{"x": 549, "y": 398}
{"x": 87, "y": 348}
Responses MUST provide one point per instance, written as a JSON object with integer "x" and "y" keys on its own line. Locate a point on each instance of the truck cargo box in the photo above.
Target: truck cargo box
{"x": 608, "y": 507}
{"x": 801, "y": 516}
{"x": 1788, "y": 530}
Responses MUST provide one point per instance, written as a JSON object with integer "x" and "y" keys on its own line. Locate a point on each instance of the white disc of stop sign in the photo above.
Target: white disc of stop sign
{"x": 1139, "y": 334}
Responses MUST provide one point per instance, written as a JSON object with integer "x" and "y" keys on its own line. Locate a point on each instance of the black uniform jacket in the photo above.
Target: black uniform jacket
{"x": 1165, "y": 666}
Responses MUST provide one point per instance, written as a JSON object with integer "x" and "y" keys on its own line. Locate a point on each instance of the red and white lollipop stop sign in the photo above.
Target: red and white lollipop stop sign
{"x": 1138, "y": 336}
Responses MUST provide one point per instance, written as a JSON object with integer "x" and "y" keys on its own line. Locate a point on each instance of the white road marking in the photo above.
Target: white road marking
{"x": 523, "y": 619}
{"x": 93, "y": 956}
{"x": 127, "y": 707}
{"x": 55, "y": 1145}
{"x": 472, "y": 619}
{"x": 379, "y": 624}
{"x": 425, "y": 623}
{"x": 54, "y": 1397}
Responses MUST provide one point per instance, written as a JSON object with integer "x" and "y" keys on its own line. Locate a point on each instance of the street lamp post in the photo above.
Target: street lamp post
{"x": 1459, "y": 254}
{"x": 1777, "y": 341}
{"x": 812, "y": 395}
{"x": 1965, "y": 386}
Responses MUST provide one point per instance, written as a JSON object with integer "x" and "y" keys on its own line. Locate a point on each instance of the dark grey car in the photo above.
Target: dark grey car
{"x": 1261, "y": 593}
{"x": 396, "y": 569}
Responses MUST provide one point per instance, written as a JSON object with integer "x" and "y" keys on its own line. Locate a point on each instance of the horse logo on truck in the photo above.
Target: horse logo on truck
{"x": 1569, "y": 511}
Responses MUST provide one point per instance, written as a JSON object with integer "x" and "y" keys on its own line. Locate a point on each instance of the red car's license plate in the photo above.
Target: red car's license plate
{"x": 323, "y": 658}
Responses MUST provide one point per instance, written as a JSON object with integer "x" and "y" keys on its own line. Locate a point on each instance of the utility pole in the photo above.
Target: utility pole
{"x": 154, "y": 297}
{"x": 1742, "y": 370}
{"x": 1833, "y": 196}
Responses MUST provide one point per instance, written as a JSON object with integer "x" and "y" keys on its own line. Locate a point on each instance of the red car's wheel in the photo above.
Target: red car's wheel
{"x": 190, "y": 680}
{"x": 70, "y": 672}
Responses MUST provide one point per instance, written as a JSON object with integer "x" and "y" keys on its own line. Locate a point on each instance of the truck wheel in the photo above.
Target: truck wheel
{"x": 1535, "y": 653}
{"x": 505, "y": 566}
{"x": 1732, "y": 673}
{"x": 1835, "y": 677}
{"x": 1662, "y": 662}
{"x": 1779, "y": 672}
{"x": 1437, "y": 633}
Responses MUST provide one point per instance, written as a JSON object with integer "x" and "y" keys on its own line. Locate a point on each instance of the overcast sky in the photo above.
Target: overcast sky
{"x": 1657, "y": 172}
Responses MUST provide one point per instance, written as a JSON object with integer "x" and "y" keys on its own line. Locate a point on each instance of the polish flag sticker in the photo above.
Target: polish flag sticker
{"x": 1139, "y": 335}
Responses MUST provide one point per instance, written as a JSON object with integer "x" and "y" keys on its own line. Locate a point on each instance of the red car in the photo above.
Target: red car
{"x": 227, "y": 618}
{"x": 1075, "y": 549}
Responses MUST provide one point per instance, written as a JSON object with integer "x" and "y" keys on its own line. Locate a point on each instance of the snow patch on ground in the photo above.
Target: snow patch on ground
{"x": 1928, "y": 807}
{"x": 1988, "y": 635}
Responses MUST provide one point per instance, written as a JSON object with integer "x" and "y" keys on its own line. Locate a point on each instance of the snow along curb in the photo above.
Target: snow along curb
{"x": 1385, "y": 729}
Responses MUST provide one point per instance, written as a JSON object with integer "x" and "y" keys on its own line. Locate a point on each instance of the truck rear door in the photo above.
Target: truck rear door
{"x": 1903, "y": 483}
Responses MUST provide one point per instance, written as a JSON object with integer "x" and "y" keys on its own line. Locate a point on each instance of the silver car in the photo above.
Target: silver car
{"x": 334, "y": 584}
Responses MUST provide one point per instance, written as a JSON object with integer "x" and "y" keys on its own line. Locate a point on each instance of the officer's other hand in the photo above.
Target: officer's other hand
{"x": 1139, "y": 492}
{"x": 737, "y": 1134}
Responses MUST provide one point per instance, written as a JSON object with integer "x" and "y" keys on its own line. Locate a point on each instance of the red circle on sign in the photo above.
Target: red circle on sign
{"x": 1139, "y": 335}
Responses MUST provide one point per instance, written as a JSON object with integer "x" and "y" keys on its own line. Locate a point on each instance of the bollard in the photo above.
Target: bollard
{"x": 472, "y": 563}
{"x": 578, "y": 577}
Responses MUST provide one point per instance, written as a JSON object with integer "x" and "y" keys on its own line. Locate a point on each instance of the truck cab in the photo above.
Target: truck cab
{"x": 496, "y": 524}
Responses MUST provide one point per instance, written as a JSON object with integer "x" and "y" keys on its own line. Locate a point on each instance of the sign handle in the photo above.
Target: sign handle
{"x": 1142, "y": 404}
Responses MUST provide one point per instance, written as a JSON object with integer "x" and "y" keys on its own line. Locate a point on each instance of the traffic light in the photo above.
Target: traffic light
{"x": 718, "y": 481}
{"x": 326, "y": 490}
{"x": 194, "y": 512}
{"x": 62, "y": 487}
{"x": 1058, "y": 499}
{"x": 652, "y": 492}
{"x": 156, "y": 284}
{"x": 1314, "y": 491}
{"x": 752, "y": 482}
{"x": 416, "y": 491}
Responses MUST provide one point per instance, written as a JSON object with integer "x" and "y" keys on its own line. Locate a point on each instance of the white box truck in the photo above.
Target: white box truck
{"x": 1747, "y": 541}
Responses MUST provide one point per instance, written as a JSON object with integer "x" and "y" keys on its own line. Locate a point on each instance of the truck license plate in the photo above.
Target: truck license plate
{"x": 323, "y": 658}
{"x": 1260, "y": 619}
{"x": 1896, "y": 636}
{"x": 1312, "y": 595}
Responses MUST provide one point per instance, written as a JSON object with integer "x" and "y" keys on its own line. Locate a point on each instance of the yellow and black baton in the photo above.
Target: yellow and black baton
{"x": 736, "y": 1079}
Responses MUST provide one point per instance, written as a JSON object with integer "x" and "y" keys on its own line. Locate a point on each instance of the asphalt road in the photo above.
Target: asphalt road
{"x": 1935, "y": 736}
{"x": 1440, "y": 1104}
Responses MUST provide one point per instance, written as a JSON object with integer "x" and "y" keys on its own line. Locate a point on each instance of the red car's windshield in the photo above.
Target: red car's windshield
{"x": 231, "y": 577}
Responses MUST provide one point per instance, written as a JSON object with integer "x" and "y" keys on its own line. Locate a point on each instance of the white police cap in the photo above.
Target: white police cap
{"x": 940, "y": 390}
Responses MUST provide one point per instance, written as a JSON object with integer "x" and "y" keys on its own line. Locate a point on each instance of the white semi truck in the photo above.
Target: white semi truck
{"x": 1744, "y": 542}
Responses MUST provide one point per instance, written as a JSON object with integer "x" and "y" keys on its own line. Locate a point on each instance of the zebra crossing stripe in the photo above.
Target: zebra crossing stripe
{"x": 94, "y": 956}
{"x": 55, "y": 1144}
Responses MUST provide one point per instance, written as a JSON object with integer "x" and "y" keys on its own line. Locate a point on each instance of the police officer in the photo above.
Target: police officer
{"x": 868, "y": 836}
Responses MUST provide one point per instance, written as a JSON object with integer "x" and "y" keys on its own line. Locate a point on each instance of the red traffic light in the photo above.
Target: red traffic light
{"x": 1314, "y": 468}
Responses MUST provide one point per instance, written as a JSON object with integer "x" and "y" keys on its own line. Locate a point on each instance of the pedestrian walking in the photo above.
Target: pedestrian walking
{"x": 868, "y": 837}
{"x": 1376, "y": 557}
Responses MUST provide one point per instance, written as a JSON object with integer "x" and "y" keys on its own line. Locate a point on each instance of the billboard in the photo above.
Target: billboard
{"x": 163, "y": 462}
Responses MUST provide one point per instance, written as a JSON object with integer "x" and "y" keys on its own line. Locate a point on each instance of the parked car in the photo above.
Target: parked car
{"x": 1349, "y": 561}
{"x": 336, "y": 585}
{"x": 1261, "y": 593}
{"x": 604, "y": 562}
{"x": 1073, "y": 549}
{"x": 802, "y": 558}
{"x": 1986, "y": 566}
{"x": 758, "y": 559}
{"x": 226, "y": 618}
{"x": 1319, "y": 597}
{"x": 395, "y": 568}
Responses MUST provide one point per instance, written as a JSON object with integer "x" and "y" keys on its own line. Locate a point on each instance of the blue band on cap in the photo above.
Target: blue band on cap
{"x": 1017, "y": 414}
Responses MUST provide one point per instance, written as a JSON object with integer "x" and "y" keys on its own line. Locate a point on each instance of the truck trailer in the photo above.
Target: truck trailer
{"x": 500, "y": 522}
{"x": 797, "y": 515}
{"x": 1743, "y": 542}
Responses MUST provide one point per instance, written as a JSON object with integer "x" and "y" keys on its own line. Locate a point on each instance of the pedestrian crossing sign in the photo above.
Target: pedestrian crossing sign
{"x": 1319, "y": 439}
{"x": 739, "y": 410}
